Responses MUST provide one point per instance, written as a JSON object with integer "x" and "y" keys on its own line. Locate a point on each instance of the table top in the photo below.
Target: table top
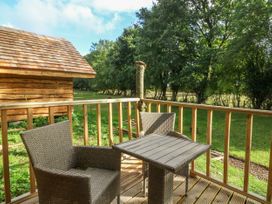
{"x": 169, "y": 152}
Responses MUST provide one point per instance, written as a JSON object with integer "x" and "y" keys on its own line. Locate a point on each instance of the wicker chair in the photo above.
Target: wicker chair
{"x": 69, "y": 174}
{"x": 160, "y": 123}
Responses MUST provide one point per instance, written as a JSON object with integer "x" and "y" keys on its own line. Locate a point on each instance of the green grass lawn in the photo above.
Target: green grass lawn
{"x": 262, "y": 132}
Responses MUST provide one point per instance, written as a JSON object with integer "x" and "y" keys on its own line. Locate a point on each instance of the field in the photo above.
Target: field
{"x": 262, "y": 132}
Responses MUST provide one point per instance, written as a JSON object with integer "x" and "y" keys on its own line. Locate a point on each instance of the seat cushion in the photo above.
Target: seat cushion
{"x": 105, "y": 183}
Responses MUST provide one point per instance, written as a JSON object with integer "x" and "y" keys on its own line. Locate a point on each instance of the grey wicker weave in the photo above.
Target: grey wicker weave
{"x": 69, "y": 174}
{"x": 160, "y": 123}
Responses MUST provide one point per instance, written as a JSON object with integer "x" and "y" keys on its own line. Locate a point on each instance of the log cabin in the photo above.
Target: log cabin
{"x": 38, "y": 68}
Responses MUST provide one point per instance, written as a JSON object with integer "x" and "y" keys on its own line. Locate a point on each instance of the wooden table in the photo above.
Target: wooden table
{"x": 166, "y": 155}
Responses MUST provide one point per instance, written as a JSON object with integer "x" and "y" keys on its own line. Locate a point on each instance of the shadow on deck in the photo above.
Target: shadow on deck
{"x": 200, "y": 190}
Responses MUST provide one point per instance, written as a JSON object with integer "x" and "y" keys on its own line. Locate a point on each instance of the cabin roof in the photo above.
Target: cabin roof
{"x": 25, "y": 53}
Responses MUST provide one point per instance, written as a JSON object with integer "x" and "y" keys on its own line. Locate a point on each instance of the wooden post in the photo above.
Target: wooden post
{"x": 110, "y": 124}
{"x": 120, "y": 121}
{"x": 248, "y": 150}
{"x": 5, "y": 152}
{"x": 148, "y": 109}
{"x": 180, "y": 120}
{"x": 269, "y": 184}
{"x": 98, "y": 123}
{"x": 129, "y": 120}
{"x": 85, "y": 120}
{"x": 137, "y": 119}
{"x": 226, "y": 147}
{"x": 194, "y": 128}
{"x": 31, "y": 171}
{"x": 209, "y": 141}
{"x": 158, "y": 107}
{"x": 70, "y": 118}
{"x": 140, "y": 69}
{"x": 51, "y": 119}
{"x": 169, "y": 108}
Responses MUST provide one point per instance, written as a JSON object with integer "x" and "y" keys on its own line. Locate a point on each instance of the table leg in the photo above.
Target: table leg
{"x": 160, "y": 186}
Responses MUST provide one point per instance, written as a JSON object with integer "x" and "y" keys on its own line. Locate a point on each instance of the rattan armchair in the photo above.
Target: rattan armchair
{"x": 160, "y": 123}
{"x": 69, "y": 174}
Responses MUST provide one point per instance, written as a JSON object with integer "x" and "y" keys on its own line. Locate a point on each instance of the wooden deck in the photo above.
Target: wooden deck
{"x": 201, "y": 191}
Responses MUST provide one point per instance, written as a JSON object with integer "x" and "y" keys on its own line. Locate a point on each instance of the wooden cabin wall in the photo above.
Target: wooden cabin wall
{"x": 34, "y": 89}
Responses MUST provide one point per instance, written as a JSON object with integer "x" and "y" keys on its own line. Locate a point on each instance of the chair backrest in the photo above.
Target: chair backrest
{"x": 160, "y": 123}
{"x": 50, "y": 146}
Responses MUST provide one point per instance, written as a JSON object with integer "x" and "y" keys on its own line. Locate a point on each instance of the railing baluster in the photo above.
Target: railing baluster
{"x": 110, "y": 124}
{"x": 31, "y": 172}
{"x": 169, "y": 108}
{"x": 209, "y": 141}
{"x": 86, "y": 129}
{"x": 129, "y": 120}
{"x": 269, "y": 184}
{"x": 137, "y": 119}
{"x": 51, "y": 119}
{"x": 148, "y": 107}
{"x": 158, "y": 107}
{"x": 5, "y": 152}
{"x": 248, "y": 150}
{"x": 180, "y": 120}
{"x": 226, "y": 147}
{"x": 120, "y": 121}
{"x": 194, "y": 130}
{"x": 70, "y": 118}
{"x": 98, "y": 123}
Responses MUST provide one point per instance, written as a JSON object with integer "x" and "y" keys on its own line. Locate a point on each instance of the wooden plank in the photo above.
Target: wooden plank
{"x": 85, "y": 124}
{"x": 226, "y": 147}
{"x": 179, "y": 191}
{"x": 51, "y": 118}
{"x": 129, "y": 120}
{"x": 70, "y": 118}
{"x": 120, "y": 121}
{"x": 237, "y": 199}
{"x": 209, "y": 194}
{"x": 194, "y": 130}
{"x": 110, "y": 129}
{"x": 137, "y": 119}
{"x": 249, "y": 127}
{"x": 31, "y": 171}
{"x": 209, "y": 141}
{"x": 98, "y": 123}
{"x": 223, "y": 196}
{"x": 169, "y": 108}
{"x": 158, "y": 107}
{"x": 5, "y": 153}
{"x": 269, "y": 186}
{"x": 180, "y": 119}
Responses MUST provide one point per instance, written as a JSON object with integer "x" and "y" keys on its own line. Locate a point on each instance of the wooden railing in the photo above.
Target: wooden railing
{"x": 248, "y": 141}
{"x": 134, "y": 101}
{"x": 51, "y": 119}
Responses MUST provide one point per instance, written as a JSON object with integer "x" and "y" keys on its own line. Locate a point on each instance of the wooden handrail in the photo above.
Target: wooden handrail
{"x": 210, "y": 107}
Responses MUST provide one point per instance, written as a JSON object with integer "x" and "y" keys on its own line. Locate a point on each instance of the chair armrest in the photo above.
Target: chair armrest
{"x": 54, "y": 184}
{"x": 177, "y": 134}
{"x": 99, "y": 157}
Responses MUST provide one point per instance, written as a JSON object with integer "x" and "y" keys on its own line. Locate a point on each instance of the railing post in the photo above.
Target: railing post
{"x": 140, "y": 69}
{"x": 269, "y": 185}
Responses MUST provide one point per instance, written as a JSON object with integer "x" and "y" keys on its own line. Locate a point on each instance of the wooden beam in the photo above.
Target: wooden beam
{"x": 129, "y": 120}
{"x": 120, "y": 121}
{"x": 51, "y": 118}
{"x": 158, "y": 107}
{"x": 70, "y": 118}
{"x": 98, "y": 123}
{"x": 269, "y": 184}
{"x": 180, "y": 119}
{"x": 110, "y": 134}
{"x": 148, "y": 107}
{"x": 226, "y": 147}
{"x": 5, "y": 152}
{"x": 85, "y": 124}
{"x": 209, "y": 141}
{"x": 137, "y": 119}
{"x": 194, "y": 130}
{"x": 169, "y": 108}
{"x": 249, "y": 127}
{"x": 31, "y": 171}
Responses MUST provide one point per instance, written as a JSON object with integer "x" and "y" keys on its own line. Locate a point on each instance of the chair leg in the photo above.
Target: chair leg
{"x": 118, "y": 199}
{"x": 144, "y": 178}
